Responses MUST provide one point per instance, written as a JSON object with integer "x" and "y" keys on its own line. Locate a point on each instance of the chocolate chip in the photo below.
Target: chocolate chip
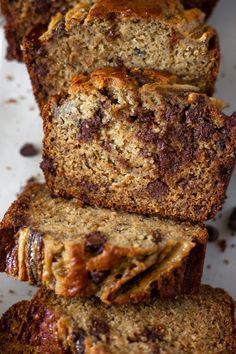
{"x": 213, "y": 233}
{"x": 41, "y": 70}
{"x": 99, "y": 329}
{"x": 98, "y": 277}
{"x": 139, "y": 52}
{"x": 146, "y": 116}
{"x": 224, "y": 173}
{"x": 173, "y": 111}
{"x": 47, "y": 166}
{"x": 154, "y": 291}
{"x": 221, "y": 145}
{"x": 106, "y": 146}
{"x": 79, "y": 339}
{"x": 41, "y": 7}
{"x": 197, "y": 209}
{"x": 157, "y": 189}
{"x": 88, "y": 185}
{"x": 203, "y": 131}
{"x": 156, "y": 236}
{"x": 60, "y": 29}
{"x": 140, "y": 77}
{"x": 232, "y": 220}
{"x": 118, "y": 62}
{"x": 153, "y": 334}
{"x": 41, "y": 52}
{"x": 167, "y": 161}
{"x": 88, "y": 128}
{"x": 94, "y": 243}
{"x": 28, "y": 150}
{"x": 149, "y": 136}
{"x": 112, "y": 34}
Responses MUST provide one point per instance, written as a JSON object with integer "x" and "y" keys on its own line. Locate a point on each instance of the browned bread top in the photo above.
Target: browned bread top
{"x": 83, "y": 251}
{"x": 138, "y": 8}
{"x": 198, "y": 324}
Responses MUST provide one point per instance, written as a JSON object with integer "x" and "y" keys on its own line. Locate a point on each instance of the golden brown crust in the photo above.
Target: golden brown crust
{"x": 193, "y": 325}
{"x": 116, "y": 274}
{"x": 137, "y": 9}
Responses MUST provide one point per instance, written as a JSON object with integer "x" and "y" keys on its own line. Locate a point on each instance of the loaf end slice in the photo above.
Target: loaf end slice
{"x": 84, "y": 251}
{"x": 196, "y": 324}
{"x": 21, "y": 15}
{"x": 167, "y": 38}
{"x": 139, "y": 141}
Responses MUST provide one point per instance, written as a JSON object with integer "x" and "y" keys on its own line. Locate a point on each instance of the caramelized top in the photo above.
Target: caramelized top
{"x": 136, "y": 8}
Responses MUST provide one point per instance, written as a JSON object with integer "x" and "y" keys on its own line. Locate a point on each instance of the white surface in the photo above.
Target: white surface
{"x": 20, "y": 124}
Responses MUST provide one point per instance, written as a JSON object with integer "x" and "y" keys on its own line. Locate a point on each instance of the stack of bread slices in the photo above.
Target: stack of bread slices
{"x": 137, "y": 155}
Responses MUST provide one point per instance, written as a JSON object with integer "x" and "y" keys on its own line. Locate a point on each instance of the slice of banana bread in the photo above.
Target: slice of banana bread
{"x": 145, "y": 33}
{"x": 139, "y": 142}
{"x": 9, "y": 328}
{"x": 22, "y": 15}
{"x": 84, "y": 251}
{"x": 197, "y": 324}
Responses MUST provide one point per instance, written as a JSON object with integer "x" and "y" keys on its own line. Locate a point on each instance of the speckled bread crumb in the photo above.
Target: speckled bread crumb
{"x": 139, "y": 141}
{"x": 82, "y": 251}
{"x": 158, "y": 35}
{"x": 198, "y": 324}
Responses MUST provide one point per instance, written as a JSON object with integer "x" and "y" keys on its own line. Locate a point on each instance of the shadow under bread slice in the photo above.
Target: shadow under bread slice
{"x": 84, "y": 251}
{"x": 159, "y": 35}
{"x": 141, "y": 142}
{"x": 195, "y": 324}
{"x": 10, "y": 324}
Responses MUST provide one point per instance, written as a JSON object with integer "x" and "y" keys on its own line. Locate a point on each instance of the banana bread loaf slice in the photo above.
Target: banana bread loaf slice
{"x": 85, "y": 251}
{"x": 22, "y": 15}
{"x": 145, "y": 33}
{"x": 139, "y": 142}
{"x": 9, "y": 329}
{"x": 196, "y": 324}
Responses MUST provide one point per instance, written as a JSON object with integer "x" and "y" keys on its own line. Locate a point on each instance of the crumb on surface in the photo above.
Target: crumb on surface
{"x": 28, "y": 150}
{"x": 222, "y": 244}
{"x": 11, "y": 101}
{"x": 9, "y": 77}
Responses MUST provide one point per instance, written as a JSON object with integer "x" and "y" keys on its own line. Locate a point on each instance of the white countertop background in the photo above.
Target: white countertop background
{"x": 20, "y": 123}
